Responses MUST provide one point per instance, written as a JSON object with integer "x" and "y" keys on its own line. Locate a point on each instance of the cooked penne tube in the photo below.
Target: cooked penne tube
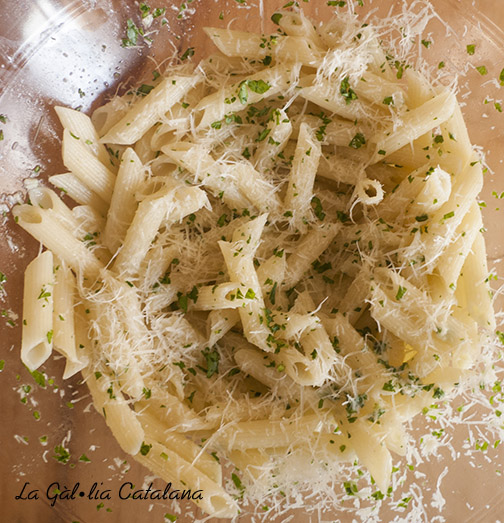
{"x": 49, "y": 200}
{"x": 474, "y": 275}
{"x": 168, "y": 205}
{"x": 80, "y": 125}
{"x": 379, "y": 90}
{"x": 247, "y": 188}
{"x": 326, "y": 96}
{"x": 279, "y": 131}
{"x": 63, "y": 319}
{"x": 296, "y": 24}
{"x": 219, "y": 323}
{"x": 171, "y": 411}
{"x": 123, "y": 203}
{"x": 148, "y": 110}
{"x": 450, "y": 263}
{"x": 253, "y": 362}
{"x": 309, "y": 249}
{"x": 171, "y": 467}
{"x": 55, "y": 236}
{"x": 38, "y": 299}
{"x": 371, "y": 452}
{"x": 443, "y": 223}
{"x": 226, "y": 295}
{"x": 83, "y": 163}
{"x": 268, "y": 434}
{"x": 241, "y": 270}
{"x": 236, "y": 97}
{"x": 282, "y": 48}
{"x": 71, "y": 185}
{"x": 415, "y": 123}
{"x": 304, "y": 168}
{"x": 111, "y": 404}
{"x": 183, "y": 446}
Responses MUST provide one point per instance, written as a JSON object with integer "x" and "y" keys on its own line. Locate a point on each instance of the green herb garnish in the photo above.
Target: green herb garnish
{"x": 357, "y": 141}
{"x": 212, "y": 358}
{"x": 401, "y": 291}
{"x": 346, "y": 91}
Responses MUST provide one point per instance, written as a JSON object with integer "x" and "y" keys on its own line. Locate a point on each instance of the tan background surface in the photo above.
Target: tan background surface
{"x": 47, "y": 55}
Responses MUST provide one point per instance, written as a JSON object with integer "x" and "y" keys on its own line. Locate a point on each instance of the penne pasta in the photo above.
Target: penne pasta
{"x": 304, "y": 168}
{"x": 46, "y": 228}
{"x": 71, "y": 185}
{"x": 150, "y": 109}
{"x": 63, "y": 319}
{"x": 38, "y": 300}
{"x": 83, "y": 163}
{"x": 275, "y": 260}
{"x": 123, "y": 203}
{"x": 282, "y": 48}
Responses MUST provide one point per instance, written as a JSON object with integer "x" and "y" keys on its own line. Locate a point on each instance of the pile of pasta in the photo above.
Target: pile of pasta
{"x": 275, "y": 260}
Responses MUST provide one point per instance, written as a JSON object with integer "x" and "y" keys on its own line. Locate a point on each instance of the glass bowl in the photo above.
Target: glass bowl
{"x": 68, "y": 52}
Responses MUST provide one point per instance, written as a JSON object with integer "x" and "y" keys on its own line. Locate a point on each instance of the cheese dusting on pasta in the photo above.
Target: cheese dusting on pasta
{"x": 276, "y": 261}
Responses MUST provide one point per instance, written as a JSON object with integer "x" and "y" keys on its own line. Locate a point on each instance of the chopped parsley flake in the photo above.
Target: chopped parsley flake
{"x": 145, "y": 449}
{"x": 357, "y": 141}
{"x": 39, "y": 378}
{"x": 44, "y": 294}
{"x": 317, "y": 208}
{"x": 237, "y": 482}
{"x": 263, "y": 134}
{"x": 223, "y": 219}
{"x": 61, "y": 454}
{"x": 132, "y": 33}
{"x": 401, "y": 291}
{"x": 144, "y": 89}
{"x": 182, "y": 302}
{"x": 276, "y": 17}
{"x": 438, "y": 393}
{"x": 187, "y": 53}
{"x": 147, "y": 393}
{"x": 346, "y": 91}
{"x": 145, "y": 10}
{"x": 193, "y": 295}
{"x": 256, "y": 86}
{"x": 389, "y": 386}
{"x": 212, "y": 358}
